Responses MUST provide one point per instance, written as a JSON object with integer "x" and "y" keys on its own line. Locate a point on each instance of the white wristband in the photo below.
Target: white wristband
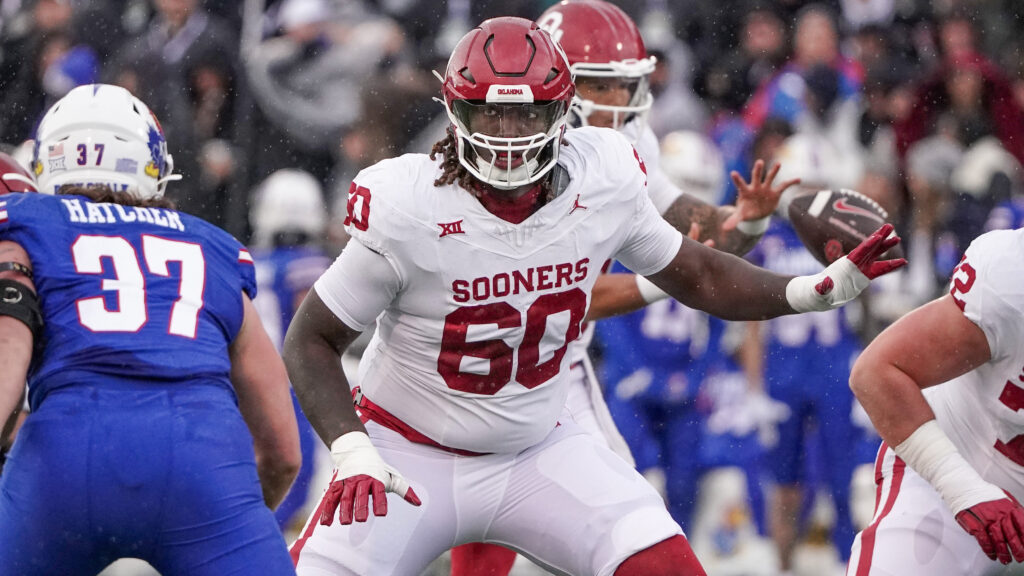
{"x": 754, "y": 227}
{"x": 934, "y": 457}
{"x": 648, "y": 291}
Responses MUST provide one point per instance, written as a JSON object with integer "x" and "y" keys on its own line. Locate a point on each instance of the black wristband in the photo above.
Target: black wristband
{"x": 19, "y": 302}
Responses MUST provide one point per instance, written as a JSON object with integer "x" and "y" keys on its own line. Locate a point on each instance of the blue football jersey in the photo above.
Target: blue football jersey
{"x": 284, "y": 275}
{"x": 672, "y": 342}
{"x": 798, "y": 335}
{"x": 128, "y": 293}
{"x": 807, "y": 362}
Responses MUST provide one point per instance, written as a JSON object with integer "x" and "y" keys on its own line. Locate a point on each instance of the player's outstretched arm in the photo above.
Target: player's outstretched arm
{"x": 726, "y": 286}
{"x": 261, "y": 384}
{"x": 933, "y": 344}
{"x": 16, "y": 338}
{"x": 733, "y": 229}
{"x": 312, "y": 351}
{"x": 617, "y": 294}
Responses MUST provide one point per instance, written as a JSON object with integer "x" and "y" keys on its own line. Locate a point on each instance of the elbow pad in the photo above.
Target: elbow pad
{"x": 20, "y": 302}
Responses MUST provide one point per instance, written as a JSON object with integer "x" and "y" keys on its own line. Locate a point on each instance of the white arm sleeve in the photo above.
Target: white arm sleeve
{"x": 358, "y": 286}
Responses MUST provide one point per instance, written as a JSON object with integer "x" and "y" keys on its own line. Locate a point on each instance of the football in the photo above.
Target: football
{"x": 831, "y": 223}
{"x": 13, "y": 177}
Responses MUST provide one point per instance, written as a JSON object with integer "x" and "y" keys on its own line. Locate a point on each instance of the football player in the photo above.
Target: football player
{"x": 476, "y": 264}
{"x": 612, "y": 71}
{"x": 804, "y": 362}
{"x": 13, "y": 178}
{"x": 160, "y": 423}
{"x": 289, "y": 220}
{"x": 943, "y": 386}
{"x": 609, "y": 60}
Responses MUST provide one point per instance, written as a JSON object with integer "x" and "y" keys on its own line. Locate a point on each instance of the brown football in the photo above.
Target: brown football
{"x": 13, "y": 177}
{"x": 831, "y": 223}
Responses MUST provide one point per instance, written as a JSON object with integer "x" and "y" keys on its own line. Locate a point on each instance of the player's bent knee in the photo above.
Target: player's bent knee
{"x": 671, "y": 557}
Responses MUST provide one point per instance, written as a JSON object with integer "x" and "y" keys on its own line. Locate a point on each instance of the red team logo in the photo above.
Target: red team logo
{"x": 843, "y": 207}
{"x": 451, "y": 228}
{"x": 577, "y": 204}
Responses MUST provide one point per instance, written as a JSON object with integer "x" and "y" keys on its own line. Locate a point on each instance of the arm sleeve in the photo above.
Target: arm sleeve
{"x": 358, "y": 286}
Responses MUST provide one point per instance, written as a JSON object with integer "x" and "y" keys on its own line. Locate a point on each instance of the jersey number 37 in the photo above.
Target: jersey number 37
{"x": 129, "y": 282}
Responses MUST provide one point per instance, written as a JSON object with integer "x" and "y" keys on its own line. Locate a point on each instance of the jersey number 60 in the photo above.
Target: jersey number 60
{"x": 530, "y": 372}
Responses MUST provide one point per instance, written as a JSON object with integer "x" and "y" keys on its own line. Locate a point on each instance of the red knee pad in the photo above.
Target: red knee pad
{"x": 672, "y": 557}
{"x": 479, "y": 559}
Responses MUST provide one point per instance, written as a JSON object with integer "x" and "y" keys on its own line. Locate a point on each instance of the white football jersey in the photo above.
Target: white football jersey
{"x": 983, "y": 410}
{"x": 660, "y": 189}
{"x": 471, "y": 349}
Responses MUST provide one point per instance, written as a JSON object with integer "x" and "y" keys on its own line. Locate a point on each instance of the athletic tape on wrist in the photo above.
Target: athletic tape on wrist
{"x": 754, "y": 227}
{"x": 828, "y": 289}
{"x": 935, "y": 458}
{"x": 347, "y": 444}
{"x": 802, "y": 297}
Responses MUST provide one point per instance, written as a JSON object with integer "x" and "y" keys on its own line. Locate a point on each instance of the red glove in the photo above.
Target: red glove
{"x": 845, "y": 278}
{"x": 998, "y": 526}
{"x": 865, "y": 255}
{"x": 359, "y": 474}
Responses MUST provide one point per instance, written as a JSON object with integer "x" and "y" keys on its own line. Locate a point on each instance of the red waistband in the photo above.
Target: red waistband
{"x": 367, "y": 410}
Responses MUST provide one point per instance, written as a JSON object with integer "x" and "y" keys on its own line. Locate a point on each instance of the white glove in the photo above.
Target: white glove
{"x": 359, "y": 473}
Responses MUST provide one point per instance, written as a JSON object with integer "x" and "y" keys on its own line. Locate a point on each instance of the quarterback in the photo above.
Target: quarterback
{"x": 476, "y": 263}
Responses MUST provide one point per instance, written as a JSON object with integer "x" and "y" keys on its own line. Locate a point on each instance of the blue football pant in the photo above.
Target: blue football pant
{"x": 168, "y": 476}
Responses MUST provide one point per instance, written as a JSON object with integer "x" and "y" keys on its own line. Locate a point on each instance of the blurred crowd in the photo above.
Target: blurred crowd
{"x": 918, "y": 104}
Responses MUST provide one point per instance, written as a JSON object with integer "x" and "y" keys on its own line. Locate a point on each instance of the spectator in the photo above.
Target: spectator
{"x": 976, "y": 94}
{"x": 815, "y": 42}
{"x": 184, "y": 65}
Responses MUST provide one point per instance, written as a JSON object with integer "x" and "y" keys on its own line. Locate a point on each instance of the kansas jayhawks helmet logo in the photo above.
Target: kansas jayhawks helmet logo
{"x": 157, "y": 149}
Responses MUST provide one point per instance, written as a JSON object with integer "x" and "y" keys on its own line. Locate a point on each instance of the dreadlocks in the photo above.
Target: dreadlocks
{"x": 451, "y": 169}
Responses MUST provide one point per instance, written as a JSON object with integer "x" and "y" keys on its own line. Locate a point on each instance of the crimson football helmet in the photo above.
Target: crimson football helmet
{"x": 507, "y": 90}
{"x": 601, "y": 41}
{"x": 14, "y": 177}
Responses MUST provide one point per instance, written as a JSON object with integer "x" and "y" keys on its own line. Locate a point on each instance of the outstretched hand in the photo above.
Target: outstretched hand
{"x": 360, "y": 474}
{"x": 998, "y": 526}
{"x": 865, "y": 255}
{"x": 758, "y": 198}
{"x": 845, "y": 278}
